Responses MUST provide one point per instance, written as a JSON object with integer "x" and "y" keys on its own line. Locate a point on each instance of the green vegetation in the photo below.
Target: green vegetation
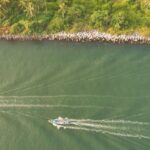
{"x": 50, "y": 16}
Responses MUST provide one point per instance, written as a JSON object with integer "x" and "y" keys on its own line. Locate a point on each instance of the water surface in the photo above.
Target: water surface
{"x": 44, "y": 80}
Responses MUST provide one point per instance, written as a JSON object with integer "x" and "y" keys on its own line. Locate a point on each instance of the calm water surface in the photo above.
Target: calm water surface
{"x": 44, "y": 80}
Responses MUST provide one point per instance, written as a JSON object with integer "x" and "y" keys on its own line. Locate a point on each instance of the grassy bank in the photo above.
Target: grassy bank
{"x": 28, "y": 17}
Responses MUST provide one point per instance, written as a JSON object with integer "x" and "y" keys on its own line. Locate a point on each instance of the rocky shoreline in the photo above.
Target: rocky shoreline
{"x": 90, "y": 36}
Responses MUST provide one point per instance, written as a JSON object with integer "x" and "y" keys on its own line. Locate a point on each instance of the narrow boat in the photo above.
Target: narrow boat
{"x": 60, "y": 122}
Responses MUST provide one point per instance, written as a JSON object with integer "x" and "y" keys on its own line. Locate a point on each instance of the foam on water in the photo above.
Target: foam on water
{"x": 124, "y": 128}
{"x": 140, "y": 136}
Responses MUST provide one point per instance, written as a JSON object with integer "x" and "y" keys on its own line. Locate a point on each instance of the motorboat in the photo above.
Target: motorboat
{"x": 60, "y": 122}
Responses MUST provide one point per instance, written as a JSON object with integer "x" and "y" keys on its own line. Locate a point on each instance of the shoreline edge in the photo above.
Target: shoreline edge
{"x": 88, "y": 36}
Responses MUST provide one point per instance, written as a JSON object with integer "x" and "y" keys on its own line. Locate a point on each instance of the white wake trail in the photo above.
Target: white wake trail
{"x": 108, "y": 132}
{"x": 124, "y": 128}
{"x": 73, "y": 96}
{"x": 96, "y": 125}
{"x": 5, "y": 105}
{"x": 112, "y": 121}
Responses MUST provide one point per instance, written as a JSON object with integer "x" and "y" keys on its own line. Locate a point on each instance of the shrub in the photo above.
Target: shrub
{"x": 120, "y": 21}
{"x": 56, "y": 25}
{"x": 38, "y": 27}
{"x": 17, "y": 28}
{"x": 100, "y": 19}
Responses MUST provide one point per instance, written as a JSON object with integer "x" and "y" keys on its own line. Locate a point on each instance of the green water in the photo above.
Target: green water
{"x": 44, "y": 80}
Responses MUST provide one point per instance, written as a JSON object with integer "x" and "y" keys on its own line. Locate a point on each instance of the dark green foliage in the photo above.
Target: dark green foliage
{"x": 56, "y": 25}
{"x": 18, "y": 28}
{"x": 50, "y": 16}
{"x": 120, "y": 21}
{"x": 100, "y": 19}
{"x": 37, "y": 27}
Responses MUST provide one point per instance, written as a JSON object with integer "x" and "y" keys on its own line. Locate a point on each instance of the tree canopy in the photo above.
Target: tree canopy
{"x": 51, "y": 16}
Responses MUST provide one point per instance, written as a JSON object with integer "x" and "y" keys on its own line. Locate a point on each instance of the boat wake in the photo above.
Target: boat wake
{"x": 124, "y": 128}
{"x": 13, "y": 105}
